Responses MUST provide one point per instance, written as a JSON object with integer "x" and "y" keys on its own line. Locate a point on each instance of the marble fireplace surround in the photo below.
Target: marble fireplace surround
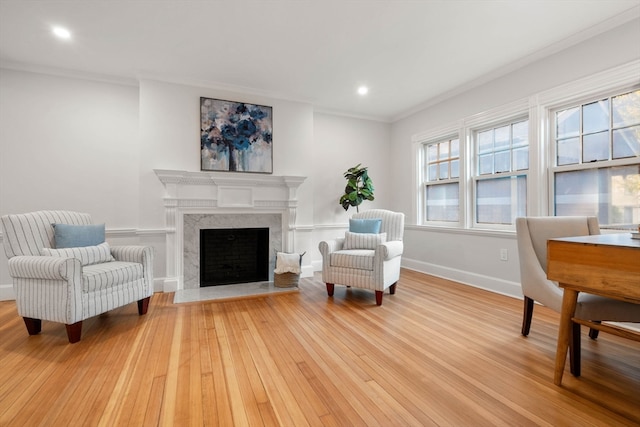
{"x": 195, "y": 200}
{"x": 193, "y": 223}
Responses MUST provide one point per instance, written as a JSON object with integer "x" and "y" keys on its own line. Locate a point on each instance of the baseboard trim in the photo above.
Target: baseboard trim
{"x": 488, "y": 283}
{"x": 7, "y": 293}
{"x": 316, "y": 265}
{"x": 168, "y": 284}
{"x": 307, "y": 271}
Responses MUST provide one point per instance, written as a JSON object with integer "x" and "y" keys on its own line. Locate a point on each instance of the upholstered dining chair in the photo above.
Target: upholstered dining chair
{"x": 63, "y": 270}
{"x": 532, "y": 235}
{"x": 366, "y": 258}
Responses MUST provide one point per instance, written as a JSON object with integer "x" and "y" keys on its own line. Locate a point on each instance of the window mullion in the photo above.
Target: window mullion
{"x": 466, "y": 172}
{"x": 539, "y": 157}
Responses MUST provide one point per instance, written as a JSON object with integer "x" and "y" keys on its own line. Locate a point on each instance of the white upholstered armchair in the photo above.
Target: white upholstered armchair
{"x": 363, "y": 259}
{"x": 69, "y": 282}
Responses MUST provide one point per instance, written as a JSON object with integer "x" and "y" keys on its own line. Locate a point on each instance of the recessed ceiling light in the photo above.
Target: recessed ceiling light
{"x": 362, "y": 90}
{"x": 61, "y": 32}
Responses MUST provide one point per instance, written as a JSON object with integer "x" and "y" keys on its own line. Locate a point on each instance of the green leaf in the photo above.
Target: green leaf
{"x": 359, "y": 187}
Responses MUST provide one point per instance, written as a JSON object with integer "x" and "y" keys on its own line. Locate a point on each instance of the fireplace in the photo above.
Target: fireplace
{"x": 233, "y": 255}
{"x": 193, "y": 224}
{"x": 207, "y": 200}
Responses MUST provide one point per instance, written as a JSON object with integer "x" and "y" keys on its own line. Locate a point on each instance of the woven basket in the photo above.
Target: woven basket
{"x": 285, "y": 280}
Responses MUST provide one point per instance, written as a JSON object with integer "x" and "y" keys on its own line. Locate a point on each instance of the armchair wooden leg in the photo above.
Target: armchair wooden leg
{"x": 593, "y": 333}
{"x": 574, "y": 349}
{"x": 74, "y": 331}
{"x": 143, "y": 305}
{"x": 392, "y": 288}
{"x": 526, "y": 318}
{"x": 34, "y": 326}
{"x": 330, "y": 287}
{"x": 379, "y": 297}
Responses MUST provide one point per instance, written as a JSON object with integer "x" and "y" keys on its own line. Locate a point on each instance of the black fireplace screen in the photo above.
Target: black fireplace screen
{"x": 234, "y": 255}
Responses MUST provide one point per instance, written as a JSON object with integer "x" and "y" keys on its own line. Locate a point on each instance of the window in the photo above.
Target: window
{"x": 597, "y": 159}
{"x": 573, "y": 149}
{"x": 502, "y": 155}
{"x": 442, "y": 176}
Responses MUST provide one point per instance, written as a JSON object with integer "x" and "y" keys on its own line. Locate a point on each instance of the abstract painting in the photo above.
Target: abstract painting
{"x": 235, "y": 136}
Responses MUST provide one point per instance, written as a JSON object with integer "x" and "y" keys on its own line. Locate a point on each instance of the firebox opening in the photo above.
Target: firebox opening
{"x": 233, "y": 255}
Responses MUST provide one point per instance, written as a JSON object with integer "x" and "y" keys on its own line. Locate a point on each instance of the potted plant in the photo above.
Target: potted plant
{"x": 359, "y": 187}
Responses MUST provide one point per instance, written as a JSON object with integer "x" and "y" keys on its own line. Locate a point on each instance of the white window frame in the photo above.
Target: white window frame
{"x": 602, "y": 85}
{"x": 476, "y": 177}
{"x": 601, "y": 164}
{"x": 510, "y": 113}
{"x": 427, "y": 183}
{"x": 420, "y": 141}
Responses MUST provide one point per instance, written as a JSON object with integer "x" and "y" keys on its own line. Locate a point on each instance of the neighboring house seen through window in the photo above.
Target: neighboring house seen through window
{"x": 502, "y": 154}
{"x": 597, "y": 159}
{"x": 442, "y": 188}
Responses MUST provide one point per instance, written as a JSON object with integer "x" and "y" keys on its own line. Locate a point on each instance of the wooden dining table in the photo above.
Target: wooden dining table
{"x": 603, "y": 264}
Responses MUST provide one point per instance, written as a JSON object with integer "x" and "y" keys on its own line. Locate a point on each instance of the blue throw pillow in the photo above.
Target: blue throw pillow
{"x": 74, "y": 236}
{"x": 370, "y": 226}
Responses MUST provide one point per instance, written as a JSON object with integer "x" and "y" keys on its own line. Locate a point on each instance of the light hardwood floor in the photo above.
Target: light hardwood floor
{"x": 436, "y": 353}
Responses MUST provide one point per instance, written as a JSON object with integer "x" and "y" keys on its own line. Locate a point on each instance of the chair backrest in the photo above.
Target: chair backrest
{"x": 27, "y": 234}
{"x": 538, "y": 230}
{"x": 392, "y": 222}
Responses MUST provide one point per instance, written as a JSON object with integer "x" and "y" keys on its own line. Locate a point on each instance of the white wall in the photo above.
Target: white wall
{"x": 67, "y": 143}
{"x": 472, "y": 256}
{"x": 341, "y": 143}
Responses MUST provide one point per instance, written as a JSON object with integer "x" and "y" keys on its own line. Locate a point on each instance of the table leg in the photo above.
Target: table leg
{"x": 569, "y": 301}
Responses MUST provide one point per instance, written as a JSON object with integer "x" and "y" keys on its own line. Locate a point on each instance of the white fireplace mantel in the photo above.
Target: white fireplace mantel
{"x": 226, "y": 178}
{"x": 222, "y": 193}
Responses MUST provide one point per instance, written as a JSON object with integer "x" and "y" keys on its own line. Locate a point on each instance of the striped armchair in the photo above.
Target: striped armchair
{"x": 365, "y": 260}
{"x": 72, "y": 284}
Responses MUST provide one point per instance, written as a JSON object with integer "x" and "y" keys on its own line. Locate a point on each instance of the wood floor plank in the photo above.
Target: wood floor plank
{"x": 276, "y": 387}
{"x": 341, "y": 361}
{"x": 287, "y": 358}
{"x": 77, "y": 389}
{"x": 249, "y": 383}
{"x": 168, "y": 408}
{"x": 334, "y": 394}
{"x": 238, "y": 413}
{"x": 195, "y": 413}
{"x": 143, "y": 389}
{"x": 123, "y": 394}
{"x": 435, "y": 353}
{"x": 222, "y": 414}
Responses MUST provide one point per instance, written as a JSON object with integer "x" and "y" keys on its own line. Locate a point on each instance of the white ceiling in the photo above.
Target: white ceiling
{"x": 316, "y": 51}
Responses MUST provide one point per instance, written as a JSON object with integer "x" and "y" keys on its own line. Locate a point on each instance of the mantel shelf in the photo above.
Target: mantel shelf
{"x": 229, "y": 179}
